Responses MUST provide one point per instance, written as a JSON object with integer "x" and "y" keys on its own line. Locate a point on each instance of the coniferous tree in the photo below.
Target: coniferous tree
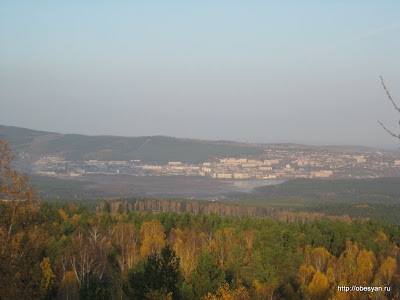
{"x": 160, "y": 274}
{"x": 208, "y": 276}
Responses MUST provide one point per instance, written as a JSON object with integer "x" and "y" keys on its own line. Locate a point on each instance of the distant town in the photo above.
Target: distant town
{"x": 277, "y": 162}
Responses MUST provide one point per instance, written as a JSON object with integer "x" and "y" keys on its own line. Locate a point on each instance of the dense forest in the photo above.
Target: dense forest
{"x": 121, "y": 250}
{"x": 70, "y": 252}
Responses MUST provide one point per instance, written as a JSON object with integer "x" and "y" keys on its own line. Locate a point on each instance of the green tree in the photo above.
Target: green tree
{"x": 207, "y": 277}
{"x": 170, "y": 273}
{"x": 160, "y": 274}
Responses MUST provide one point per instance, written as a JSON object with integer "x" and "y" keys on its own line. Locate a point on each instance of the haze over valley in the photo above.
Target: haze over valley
{"x": 171, "y": 167}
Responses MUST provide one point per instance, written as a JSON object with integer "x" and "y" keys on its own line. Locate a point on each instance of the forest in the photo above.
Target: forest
{"x": 159, "y": 249}
{"x": 70, "y": 252}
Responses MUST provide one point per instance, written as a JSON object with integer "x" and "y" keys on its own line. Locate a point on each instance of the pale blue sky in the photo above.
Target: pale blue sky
{"x": 264, "y": 71}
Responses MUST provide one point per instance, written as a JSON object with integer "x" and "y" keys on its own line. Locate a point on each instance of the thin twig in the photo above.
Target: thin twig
{"x": 390, "y": 98}
{"x": 384, "y": 127}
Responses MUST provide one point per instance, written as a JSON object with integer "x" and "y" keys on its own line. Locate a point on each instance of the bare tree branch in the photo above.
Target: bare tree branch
{"x": 390, "y": 97}
{"x": 395, "y": 106}
{"x": 391, "y": 133}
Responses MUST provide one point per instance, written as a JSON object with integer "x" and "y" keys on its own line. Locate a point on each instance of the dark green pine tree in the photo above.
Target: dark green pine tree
{"x": 159, "y": 273}
{"x": 208, "y": 276}
{"x": 171, "y": 276}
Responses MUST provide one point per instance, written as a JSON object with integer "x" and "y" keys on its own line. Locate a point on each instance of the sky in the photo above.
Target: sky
{"x": 253, "y": 71}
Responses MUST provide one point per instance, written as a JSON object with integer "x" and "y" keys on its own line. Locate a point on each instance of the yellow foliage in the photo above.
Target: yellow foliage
{"x": 365, "y": 266}
{"x": 263, "y": 290}
{"x": 319, "y": 258}
{"x": 47, "y": 281}
{"x": 347, "y": 263}
{"x": 258, "y": 287}
{"x": 305, "y": 274}
{"x": 330, "y": 274}
{"x": 381, "y": 238}
{"x": 14, "y": 187}
{"x": 318, "y": 287}
{"x": 75, "y": 219}
{"x": 225, "y": 293}
{"x": 187, "y": 245}
{"x": 386, "y": 271}
{"x": 248, "y": 237}
{"x": 69, "y": 279}
{"x": 63, "y": 214}
{"x": 228, "y": 232}
{"x": 152, "y": 236}
{"x": 16, "y": 239}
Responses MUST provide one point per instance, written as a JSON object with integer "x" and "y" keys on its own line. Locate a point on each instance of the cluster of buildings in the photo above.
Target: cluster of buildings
{"x": 277, "y": 162}
{"x": 258, "y": 169}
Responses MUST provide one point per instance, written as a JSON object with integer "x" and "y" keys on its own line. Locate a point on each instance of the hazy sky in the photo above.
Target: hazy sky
{"x": 258, "y": 71}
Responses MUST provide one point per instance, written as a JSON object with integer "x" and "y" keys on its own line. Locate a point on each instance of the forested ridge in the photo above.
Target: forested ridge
{"x": 107, "y": 147}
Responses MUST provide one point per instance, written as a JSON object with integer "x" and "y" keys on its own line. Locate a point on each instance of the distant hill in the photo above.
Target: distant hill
{"x": 31, "y": 144}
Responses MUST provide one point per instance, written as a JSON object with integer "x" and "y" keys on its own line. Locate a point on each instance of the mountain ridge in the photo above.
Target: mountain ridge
{"x": 158, "y": 149}
{"x": 32, "y": 144}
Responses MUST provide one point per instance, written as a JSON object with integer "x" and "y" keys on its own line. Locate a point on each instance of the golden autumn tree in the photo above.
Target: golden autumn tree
{"x": 125, "y": 238}
{"x": 187, "y": 245}
{"x": 48, "y": 277}
{"x": 152, "y": 236}
{"x": 224, "y": 292}
{"x": 365, "y": 267}
{"x": 318, "y": 286}
{"x": 305, "y": 274}
{"x": 16, "y": 194}
{"x": 386, "y": 271}
{"x": 221, "y": 245}
{"x": 319, "y": 259}
{"x": 261, "y": 291}
{"x": 18, "y": 249}
{"x": 347, "y": 263}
